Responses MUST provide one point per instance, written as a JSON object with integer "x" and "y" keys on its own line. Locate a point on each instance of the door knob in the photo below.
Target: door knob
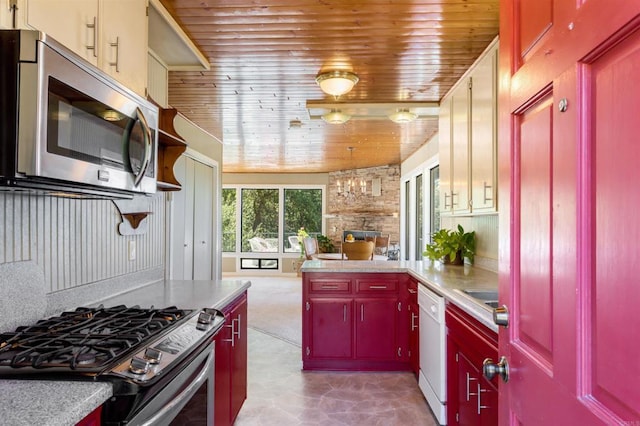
{"x": 489, "y": 369}
{"x": 501, "y": 316}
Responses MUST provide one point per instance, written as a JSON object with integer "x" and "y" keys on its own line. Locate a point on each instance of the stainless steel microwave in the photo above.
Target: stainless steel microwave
{"x": 68, "y": 128}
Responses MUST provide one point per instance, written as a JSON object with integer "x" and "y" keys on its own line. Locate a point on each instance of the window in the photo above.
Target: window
{"x": 259, "y": 213}
{"x": 302, "y": 208}
{"x": 266, "y": 220}
{"x": 258, "y": 263}
{"x": 419, "y": 218}
{"x": 228, "y": 220}
{"x": 407, "y": 218}
{"x": 434, "y": 196}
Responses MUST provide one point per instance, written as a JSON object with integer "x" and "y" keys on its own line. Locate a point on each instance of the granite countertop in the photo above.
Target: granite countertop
{"x": 446, "y": 280}
{"x": 60, "y": 403}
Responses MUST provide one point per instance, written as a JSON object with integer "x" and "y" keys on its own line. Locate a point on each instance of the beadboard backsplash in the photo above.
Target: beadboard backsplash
{"x": 76, "y": 242}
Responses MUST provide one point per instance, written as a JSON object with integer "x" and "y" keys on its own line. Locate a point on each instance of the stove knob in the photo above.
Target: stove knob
{"x": 139, "y": 365}
{"x": 153, "y": 355}
{"x": 205, "y": 318}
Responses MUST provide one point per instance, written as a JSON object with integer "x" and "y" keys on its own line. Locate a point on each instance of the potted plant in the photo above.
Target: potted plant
{"x": 325, "y": 245}
{"x": 452, "y": 246}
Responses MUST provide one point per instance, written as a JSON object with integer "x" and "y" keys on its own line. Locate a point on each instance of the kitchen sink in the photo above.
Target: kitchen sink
{"x": 489, "y": 298}
{"x": 484, "y": 295}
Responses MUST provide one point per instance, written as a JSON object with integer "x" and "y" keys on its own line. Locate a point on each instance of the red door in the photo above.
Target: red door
{"x": 569, "y": 120}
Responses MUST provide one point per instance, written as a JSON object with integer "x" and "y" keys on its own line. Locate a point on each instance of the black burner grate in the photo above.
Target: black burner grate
{"x": 86, "y": 339}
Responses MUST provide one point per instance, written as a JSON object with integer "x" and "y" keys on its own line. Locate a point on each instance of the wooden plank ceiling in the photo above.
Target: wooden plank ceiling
{"x": 265, "y": 55}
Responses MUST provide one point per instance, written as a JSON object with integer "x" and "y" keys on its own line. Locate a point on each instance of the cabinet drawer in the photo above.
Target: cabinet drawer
{"x": 367, "y": 286}
{"x": 330, "y": 286}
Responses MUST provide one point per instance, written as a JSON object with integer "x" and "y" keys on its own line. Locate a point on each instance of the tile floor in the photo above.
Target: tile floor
{"x": 280, "y": 393}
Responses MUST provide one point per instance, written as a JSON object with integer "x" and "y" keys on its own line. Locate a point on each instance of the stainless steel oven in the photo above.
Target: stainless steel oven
{"x": 160, "y": 362}
{"x": 66, "y": 126}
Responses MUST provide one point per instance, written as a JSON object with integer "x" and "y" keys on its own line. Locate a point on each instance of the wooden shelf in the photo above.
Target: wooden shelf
{"x": 170, "y": 148}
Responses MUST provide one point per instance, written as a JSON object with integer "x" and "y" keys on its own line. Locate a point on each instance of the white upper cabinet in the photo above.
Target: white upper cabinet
{"x": 110, "y": 34}
{"x": 468, "y": 140}
{"x": 460, "y": 141}
{"x": 484, "y": 134}
{"x": 444, "y": 128}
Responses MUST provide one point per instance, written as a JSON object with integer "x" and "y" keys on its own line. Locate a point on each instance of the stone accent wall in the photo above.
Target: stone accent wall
{"x": 364, "y": 211}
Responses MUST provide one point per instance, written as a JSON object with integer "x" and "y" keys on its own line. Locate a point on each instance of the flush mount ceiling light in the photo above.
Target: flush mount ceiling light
{"x": 402, "y": 116}
{"x": 336, "y": 117}
{"x": 336, "y": 82}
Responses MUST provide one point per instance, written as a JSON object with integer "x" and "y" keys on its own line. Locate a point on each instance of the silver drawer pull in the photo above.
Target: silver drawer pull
{"x": 378, "y": 287}
{"x": 329, "y": 287}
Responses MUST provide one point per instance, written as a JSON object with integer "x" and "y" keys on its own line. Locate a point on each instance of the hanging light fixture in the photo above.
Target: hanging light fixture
{"x": 336, "y": 117}
{"x": 402, "y": 116}
{"x": 336, "y": 82}
{"x": 352, "y": 188}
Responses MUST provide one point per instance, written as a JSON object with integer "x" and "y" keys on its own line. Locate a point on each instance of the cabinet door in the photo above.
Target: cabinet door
{"x": 222, "y": 407}
{"x": 460, "y": 150}
{"x": 329, "y": 323}
{"x": 182, "y": 221}
{"x": 467, "y": 402}
{"x": 74, "y": 23}
{"x": 377, "y": 328}
{"x": 483, "y": 134}
{"x": 202, "y": 221}
{"x": 124, "y": 42}
{"x": 414, "y": 337}
{"x": 239, "y": 358}
{"x": 444, "y": 129}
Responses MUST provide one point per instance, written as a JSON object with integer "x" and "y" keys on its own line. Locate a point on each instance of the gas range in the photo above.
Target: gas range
{"x": 140, "y": 351}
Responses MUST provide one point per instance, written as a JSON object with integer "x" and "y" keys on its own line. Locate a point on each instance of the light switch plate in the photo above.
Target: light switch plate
{"x": 132, "y": 250}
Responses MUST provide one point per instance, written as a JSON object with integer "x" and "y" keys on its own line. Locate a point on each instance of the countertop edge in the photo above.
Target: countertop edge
{"x": 445, "y": 280}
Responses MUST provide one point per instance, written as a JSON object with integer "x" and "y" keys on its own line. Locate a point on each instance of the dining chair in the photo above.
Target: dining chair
{"x": 358, "y": 250}
{"x": 310, "y": 247}
{"x": 381, "y": 245}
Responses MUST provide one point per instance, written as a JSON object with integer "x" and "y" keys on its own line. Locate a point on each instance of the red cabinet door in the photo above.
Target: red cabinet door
{"x": 231, "y": 363}
{"x": 329, "y": 328}
{"x": 222, "y": 404}
{"x": 568, "y": 116}
{"x": 239, "y": 358}
{"x": 414, "y": 337}
{"x": 377, "y": 328}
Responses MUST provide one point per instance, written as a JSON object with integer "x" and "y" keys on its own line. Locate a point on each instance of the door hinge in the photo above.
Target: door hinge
{"x": 308, "y": 306}
{"x": 457, "y": 417}
{"x": 470, "y": 83}
{"x": 456, "y": 357}
{"x": 308, "y": 351}
{"x": 399, "y": 306}
{"x": 399, "y": 352}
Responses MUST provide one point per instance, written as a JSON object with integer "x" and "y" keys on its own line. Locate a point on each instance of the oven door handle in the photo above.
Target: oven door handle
{"x": 171, "y": 408}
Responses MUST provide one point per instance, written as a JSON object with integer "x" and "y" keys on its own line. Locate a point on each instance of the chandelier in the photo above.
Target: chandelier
{"x": 352, "y": 187}
{"x": 336, "y": 82}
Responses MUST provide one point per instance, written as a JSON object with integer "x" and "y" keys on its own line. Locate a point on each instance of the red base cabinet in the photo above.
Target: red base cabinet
{"x": 471, "y": 399}
{"x": 231, "y": 363}
{"x": 412, "y": 316}
{"x": 352, "y": 321}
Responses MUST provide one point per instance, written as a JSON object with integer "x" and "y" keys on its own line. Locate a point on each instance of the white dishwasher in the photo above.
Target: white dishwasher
{"x": 433, "y": 378}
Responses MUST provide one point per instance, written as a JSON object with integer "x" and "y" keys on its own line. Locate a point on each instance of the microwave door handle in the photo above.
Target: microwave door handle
{"x": 147, "y": 147}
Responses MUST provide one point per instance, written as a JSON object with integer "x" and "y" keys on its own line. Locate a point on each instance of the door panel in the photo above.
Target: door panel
{"x": 615, "y": 96}
{"x": 534, "y": 296}
{"x": 568, "y": 214}
{"x": 202, "y": 221}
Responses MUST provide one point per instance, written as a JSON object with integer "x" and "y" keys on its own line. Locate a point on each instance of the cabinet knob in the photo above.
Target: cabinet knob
{"x": 489, "y": 369}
